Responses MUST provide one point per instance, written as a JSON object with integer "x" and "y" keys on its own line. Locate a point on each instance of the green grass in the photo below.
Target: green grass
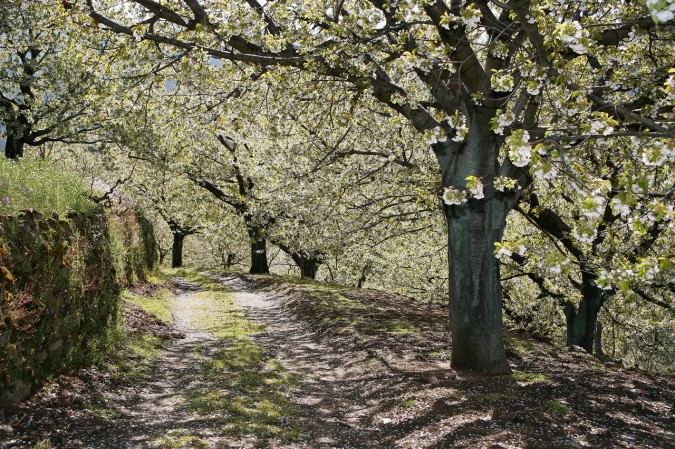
{"x": 136, "y": 353}
{"x": 97, "y": 405}
{"x": 556, "y": 407}
{"x": 495, "y": 397}
{"x": 195, "y": 276}
{"x": 372, "y": 363}
{"x": 530, "y": 378}
{"x": 130, "y": 354}
{"x": 44, "y": 444}
{"x": 219, "y": 315}
{"x": 519, "y": 346}
{"x": 159, "y": 304}
{"x": 445, "y": 354}
{"x": 244, "y": 392}
{"x": 235, "y": 385}
{"x": 408, "y": 403}
{"x": 398, "y": 327}
{"x": 175, "y": 439}
{"x": 45, "y": 187}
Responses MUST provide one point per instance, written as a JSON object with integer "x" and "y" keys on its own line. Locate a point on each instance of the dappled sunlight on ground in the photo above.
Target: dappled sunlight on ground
{"x": 258, "y": 362}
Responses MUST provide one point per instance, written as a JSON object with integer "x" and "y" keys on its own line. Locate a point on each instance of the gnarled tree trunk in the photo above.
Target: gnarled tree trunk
{"x": 259, "y": 257}
{"x": 582, "y": 320}
{"x": 308, "y": 265}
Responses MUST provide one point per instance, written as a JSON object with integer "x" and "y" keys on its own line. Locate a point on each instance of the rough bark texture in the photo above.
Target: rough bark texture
{"x": 582, "y": 320}
{"x": 475, "y": 291}
{"x": 177, "y": 250}
{"x": 259, "y": 258}
{"x": 473, "y": 229}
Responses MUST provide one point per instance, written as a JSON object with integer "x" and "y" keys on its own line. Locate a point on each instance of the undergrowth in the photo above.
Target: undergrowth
{"x": 37, "y": 185}
{"x": 159, "y": 304}
{"x": 129, "y": 353}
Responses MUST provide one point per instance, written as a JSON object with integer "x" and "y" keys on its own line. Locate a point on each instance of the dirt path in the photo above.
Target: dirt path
{"x": 261, "y": 367}
{"x": 327, "y": 404}
{"x": 331, "y": 402}
{"x": 152, "y": 417}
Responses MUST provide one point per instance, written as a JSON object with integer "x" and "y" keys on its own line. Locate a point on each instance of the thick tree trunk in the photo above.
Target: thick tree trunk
{"x": 177, "y": 250}
{"x": 13, "y": 147}
{"x": 475, "y": 288}
{"x": 259, "y": 258}
{"x": 582, "y": 320}
{"x": 473, "y": 229}
{"x": 308, "y": 265}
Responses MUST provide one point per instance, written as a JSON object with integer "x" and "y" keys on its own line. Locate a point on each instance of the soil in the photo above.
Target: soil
{"x": 360, "y": 385}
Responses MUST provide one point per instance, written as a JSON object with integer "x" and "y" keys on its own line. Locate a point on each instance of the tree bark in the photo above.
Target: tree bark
{"x": 597, "y": 344}
{"x": 582, "y": 320}
{"x": 177, "y": 250}
{"x": 231, "y": 257}
{"x": 259, "y": 257}
{"x": 308, "y": 265}
{"x": 14, "y": 146}
{"x": 475, "y": 289}
{"x": 473, "y": 228}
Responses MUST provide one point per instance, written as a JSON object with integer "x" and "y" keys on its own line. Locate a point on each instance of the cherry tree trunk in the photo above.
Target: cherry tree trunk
{"x": 259, "y": 257}
{"x": 308, "y": 266}
{"x": 13, "y": 147}
{"x": 177, "y": 250}
{"x": 475, "y": 289}
{"x": 582, "y": 320}
{"x": 473, "y": 228}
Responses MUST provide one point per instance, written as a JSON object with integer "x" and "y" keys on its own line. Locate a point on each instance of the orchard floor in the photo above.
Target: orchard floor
{"x": 277, "y": 364}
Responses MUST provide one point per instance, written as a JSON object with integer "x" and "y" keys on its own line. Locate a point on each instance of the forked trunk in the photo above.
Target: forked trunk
{"x": 475, "y": 288}
{"x": 582, "y": 320}
{"x": 177, "y": 250}
{"x": 259, "y": 258}
{"x": 308, "y": 265}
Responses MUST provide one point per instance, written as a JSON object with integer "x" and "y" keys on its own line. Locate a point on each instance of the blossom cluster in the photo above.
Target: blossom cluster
{"x": 458, "y": 123}
{"x": 505, "y": 249}
{"x": 519, "y": 149}
{"x": 453, "y": 197}
{"x": 571, "y": 34}
{"x": 662, "y": 10}
{"x": 501, "y": 120}
{"x": 502, "y": 82}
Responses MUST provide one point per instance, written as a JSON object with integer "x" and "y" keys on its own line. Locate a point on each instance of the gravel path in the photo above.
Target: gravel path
{"x": 152, "y": 413}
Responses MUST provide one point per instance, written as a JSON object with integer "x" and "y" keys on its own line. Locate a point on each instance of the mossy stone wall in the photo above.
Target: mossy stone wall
{"x": 59, "y": 289}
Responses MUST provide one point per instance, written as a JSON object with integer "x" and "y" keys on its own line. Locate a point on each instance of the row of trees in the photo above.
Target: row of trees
{"x": 344, "y": 131}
